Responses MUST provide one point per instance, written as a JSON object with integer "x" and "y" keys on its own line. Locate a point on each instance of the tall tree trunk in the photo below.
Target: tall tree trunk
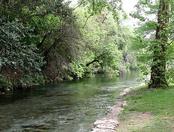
{"x": 158, "y": 68}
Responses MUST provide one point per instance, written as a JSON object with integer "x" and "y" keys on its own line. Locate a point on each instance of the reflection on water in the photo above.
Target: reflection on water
{"x": 67, "y": 107}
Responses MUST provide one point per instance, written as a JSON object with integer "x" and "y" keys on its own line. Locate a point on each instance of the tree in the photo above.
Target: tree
{"x": 154, "y": 34}
{"x": 158, "y": 68}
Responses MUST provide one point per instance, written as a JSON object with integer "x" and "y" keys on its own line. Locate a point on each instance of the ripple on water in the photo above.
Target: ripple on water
{"x": 68, "y": 107}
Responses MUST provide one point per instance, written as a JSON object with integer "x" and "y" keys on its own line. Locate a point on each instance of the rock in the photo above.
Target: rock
{"x": 124, "y": 104}
{"x": 105, "y": 125}
{"x": 102, "y": 130}
{"x": 125, "y": 92}
{"x": 110, "y": 122}
{"x": 103, "y": 121}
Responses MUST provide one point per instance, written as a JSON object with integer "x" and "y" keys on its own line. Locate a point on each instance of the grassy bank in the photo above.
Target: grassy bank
{"x": 149, "y": 111}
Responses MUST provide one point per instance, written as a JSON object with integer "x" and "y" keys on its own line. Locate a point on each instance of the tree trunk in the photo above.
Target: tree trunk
{"x": 158, "y": 68}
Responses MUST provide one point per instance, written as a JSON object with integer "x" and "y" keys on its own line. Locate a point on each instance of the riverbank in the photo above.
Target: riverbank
{"x": 148, "y": 111}
{"x": 110, "y": 122}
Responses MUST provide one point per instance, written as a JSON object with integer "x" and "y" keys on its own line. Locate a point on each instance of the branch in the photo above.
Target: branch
{"x": 86, "y": 20}
{"x": 95, "y": 60}
{"x": 77, "y": 6}
{"x": 43, "y": 39}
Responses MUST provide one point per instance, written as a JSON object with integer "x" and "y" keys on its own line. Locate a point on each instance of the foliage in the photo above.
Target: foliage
{"x": 48, "y": 41}
{"x": 31, "y": 80}
{"x": 15, "y": 51}
{"x": 4, "y": 83}
{"x": 18, "y": 57}
{"x": 105, "y": 43}
{"x": 78, "y": 69}
{"x": 152, "y": 35}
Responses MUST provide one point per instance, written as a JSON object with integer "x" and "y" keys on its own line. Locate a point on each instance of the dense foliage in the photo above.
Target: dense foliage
{"x": 154, "y": 40}
{"x": 49, "y": 41}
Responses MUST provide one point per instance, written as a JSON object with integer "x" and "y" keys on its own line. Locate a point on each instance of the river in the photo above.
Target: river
{"x": 66, "y": 107}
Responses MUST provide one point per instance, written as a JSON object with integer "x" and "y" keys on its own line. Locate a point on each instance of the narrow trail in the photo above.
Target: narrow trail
{"x": 135, "y": 122}
{"x": 110, "y": 123}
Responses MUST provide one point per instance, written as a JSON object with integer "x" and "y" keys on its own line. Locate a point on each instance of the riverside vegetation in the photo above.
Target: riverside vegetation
{"x": 51, "y": 41}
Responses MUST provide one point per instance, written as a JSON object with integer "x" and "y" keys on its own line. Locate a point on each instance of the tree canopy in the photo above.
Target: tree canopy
{"x": 49, "y": 41}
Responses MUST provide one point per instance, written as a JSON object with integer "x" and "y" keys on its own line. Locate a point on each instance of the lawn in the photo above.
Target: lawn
{"x": 149, "y": 111}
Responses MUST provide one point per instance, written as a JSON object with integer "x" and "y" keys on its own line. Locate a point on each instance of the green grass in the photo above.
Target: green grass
{"x": 159, "y": 102}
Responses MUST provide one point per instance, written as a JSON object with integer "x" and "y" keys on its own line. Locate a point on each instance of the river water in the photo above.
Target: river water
{"x": 67, "y": 107}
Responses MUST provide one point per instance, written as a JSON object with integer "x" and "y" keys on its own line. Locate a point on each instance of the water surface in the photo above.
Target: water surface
{"x": 66, "y": 107}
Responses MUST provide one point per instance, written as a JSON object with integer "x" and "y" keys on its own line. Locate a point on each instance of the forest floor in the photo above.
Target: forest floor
{"x": 148, "y": 111}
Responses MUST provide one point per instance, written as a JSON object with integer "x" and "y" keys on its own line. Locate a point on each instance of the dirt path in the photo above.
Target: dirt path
{"x": 110, "y": 122}
{"x": 134, "y": 122}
